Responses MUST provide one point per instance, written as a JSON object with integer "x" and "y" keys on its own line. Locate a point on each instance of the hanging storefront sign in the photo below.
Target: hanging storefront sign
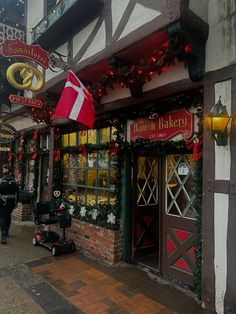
{"x": 32, "y": 79}
{"x": 27, "y": 73}
{"x": 7, "y": 133}
{"x": 17, "y": 48}
{"x": 19, "y": 100}
{"x": 164, "y": 127}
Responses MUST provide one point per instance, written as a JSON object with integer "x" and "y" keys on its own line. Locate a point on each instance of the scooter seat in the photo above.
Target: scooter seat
{"x": 46, "y": 221}
{"x": 45, "y": 214}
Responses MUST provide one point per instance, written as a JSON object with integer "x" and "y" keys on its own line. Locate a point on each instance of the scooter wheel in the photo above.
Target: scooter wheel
{"x": 54, "y": 251}
{"x": 34, "y": 241}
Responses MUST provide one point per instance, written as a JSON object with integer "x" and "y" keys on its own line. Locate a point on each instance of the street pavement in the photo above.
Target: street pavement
{"x": 33, "y": 281}
{"x": 21, "y": 290}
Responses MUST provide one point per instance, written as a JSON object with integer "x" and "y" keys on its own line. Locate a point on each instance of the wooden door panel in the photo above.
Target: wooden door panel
{"x": 178, "y": 219}
{"x": 178, "y": 256}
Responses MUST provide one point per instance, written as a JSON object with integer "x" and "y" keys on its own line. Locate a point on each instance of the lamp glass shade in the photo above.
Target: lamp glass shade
{"x": 216, "y": 124}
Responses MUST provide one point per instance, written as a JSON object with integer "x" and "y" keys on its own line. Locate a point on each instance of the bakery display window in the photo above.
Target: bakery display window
{"x": 89, "y": 178}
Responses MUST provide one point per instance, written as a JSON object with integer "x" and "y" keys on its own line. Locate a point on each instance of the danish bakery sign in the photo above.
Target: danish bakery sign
{"x": 164, "y": 127}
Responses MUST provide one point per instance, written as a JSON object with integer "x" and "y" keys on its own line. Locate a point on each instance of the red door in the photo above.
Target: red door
{"x": 178, "y": 219}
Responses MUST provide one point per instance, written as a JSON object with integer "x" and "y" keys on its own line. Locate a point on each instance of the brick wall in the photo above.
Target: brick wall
{"x": 97, "y": 241}
{"x": 23, "y": 212}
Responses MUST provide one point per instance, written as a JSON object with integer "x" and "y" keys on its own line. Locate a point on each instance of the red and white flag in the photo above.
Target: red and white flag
{"x": 75, "y": 102}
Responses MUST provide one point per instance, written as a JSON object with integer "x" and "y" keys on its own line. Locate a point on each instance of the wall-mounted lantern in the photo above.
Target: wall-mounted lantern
{"x": 216, "y": 120}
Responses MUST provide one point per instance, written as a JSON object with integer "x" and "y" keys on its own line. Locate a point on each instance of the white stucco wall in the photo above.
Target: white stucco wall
{"x": 118, "y": 9}
{"x": 222, "y": 153}
{"x": 221, "y": 43}
{"x": 35, "y": 13}
{"x": 80, "y": 38}
{"x": 98, "y": 43}
{"x": 221, "y": 204}
{"x": 140, "y": 16}
{"x": 200, "y": 8}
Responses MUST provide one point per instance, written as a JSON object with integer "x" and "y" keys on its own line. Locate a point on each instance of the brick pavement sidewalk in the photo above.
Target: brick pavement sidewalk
{"x": 94, "y": 287}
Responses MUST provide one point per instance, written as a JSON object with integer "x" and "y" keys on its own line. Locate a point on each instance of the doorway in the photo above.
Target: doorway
{"x": 163, "y": 214}
{"x": 146, "y": 243}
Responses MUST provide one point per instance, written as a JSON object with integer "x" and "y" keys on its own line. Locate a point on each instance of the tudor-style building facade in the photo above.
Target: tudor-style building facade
{"x": 159, "y": 191}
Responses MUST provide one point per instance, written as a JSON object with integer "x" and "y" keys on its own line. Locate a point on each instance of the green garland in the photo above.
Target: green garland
{"x": 102, "y": 210}
{"x": 28, "y": 196}
{"x": 57, "y": 175}
{"x": 22, "y": 166}
{"x": 162, "y": 147}
{"x": 13, "y": 155}
{"x": 36, "y": 170}
{"x": 197, "y": 271}
{"x": 135, "y": 75}
{"x": 89, "y": 148}
{"x": 57, "y": 167}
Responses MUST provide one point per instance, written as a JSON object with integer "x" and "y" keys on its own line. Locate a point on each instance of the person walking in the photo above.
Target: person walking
{"x": 9, "y": 197}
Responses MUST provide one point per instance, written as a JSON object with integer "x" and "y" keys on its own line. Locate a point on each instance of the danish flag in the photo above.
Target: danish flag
{"x": 75, "y": 102}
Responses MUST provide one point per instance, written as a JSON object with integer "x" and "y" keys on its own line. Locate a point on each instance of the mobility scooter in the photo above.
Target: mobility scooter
{"x": 45, "y": 215}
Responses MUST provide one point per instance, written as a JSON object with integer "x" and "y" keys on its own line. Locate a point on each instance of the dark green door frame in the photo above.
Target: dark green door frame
{"x": 126, "y": 205}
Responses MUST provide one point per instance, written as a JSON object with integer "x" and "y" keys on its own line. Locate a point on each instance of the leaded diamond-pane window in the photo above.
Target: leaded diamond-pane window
{"x": 147, "y": 181}
{"x": 180, "y": 186}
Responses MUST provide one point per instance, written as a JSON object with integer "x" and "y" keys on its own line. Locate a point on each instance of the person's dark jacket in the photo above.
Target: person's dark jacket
{"x": 9, "y": 192}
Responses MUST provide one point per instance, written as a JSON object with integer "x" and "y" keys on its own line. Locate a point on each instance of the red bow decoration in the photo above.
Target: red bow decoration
{"x": 35, "y": 136}
{"x": 57, "y": 134}
{"x": 21, "y": 136}
{"x": 82, "y": 150}
{"x": 20, "y": 155}
{"x": 9, "y": 158}
{"x": 34, "y": 156}
{"x": 113, "y": 148}
{"x": 57, "y": 154}
{"x": 196, "y": 146}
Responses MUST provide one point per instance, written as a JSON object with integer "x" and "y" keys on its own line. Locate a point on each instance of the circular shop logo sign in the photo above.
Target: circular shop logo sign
{"x": 7, "y": 133}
